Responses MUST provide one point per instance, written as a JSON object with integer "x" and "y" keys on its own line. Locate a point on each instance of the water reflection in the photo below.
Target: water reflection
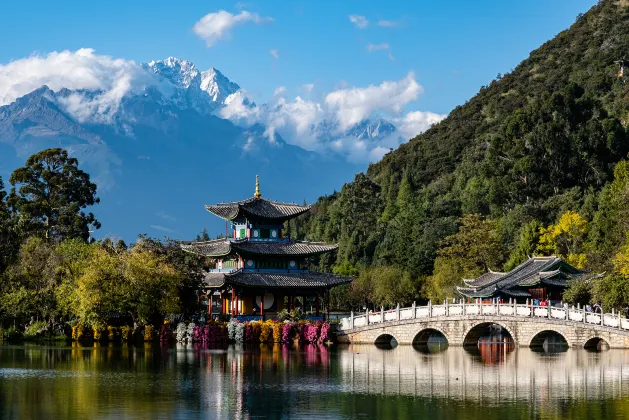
{"x": 493, "y": 379}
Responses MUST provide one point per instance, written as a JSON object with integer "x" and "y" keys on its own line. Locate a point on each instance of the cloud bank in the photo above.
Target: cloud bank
{"x": 217, "y": 25}
{"x": 323, "y": 126}
{"x": 110, "y": 79}
{"x": 99, "y": 84}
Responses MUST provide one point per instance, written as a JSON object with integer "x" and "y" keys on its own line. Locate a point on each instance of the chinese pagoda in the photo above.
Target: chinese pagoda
{"x": 536, "y": 278}
{"x": 258, "y": 270}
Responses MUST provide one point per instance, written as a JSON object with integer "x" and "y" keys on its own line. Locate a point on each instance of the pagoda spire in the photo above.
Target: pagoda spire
{"x": 258, "y": 194}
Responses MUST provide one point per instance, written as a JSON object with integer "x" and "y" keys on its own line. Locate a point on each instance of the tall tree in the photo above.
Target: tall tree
{"x": 49, "y": 194}
{"x": 8, "y": 238}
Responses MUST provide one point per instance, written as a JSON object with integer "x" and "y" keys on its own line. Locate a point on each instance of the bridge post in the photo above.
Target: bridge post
{"x": 382, "y": 314}
{"x": 584, "y": 314}
{"x": 430, "y": 309}
{"x": 397, "y": 310}
{"x": 414, "y": 310}
{"x": 447, "y": 308}
{"x": 367, "y": 316}
{"x": 463, "y": 307}
{"x": 351, "y": 320}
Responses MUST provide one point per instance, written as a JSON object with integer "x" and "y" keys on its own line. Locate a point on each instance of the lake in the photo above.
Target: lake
{"x": 494, "y": 381}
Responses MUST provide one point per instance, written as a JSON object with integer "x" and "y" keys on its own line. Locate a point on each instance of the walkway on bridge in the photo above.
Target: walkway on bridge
{"x": 460, "y": 323}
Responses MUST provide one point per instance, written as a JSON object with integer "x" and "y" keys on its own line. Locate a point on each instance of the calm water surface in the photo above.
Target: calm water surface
{"x": 315, "y": 382}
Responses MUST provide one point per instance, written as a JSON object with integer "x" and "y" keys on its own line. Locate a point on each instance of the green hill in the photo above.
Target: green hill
{"x": 532, "y": 145}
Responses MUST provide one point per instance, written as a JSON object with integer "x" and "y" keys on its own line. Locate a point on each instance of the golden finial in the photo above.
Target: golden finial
{"x": 257, "y": 194}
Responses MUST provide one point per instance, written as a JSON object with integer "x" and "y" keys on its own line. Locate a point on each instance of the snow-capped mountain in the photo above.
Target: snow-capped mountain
{"x": 162, "y": 153}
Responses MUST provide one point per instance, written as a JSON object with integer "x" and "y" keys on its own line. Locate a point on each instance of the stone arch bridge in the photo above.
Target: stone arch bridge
{"x": 463, "y": 324}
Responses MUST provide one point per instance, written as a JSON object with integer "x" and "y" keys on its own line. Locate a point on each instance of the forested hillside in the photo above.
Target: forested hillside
{"x": 525, "y": 166}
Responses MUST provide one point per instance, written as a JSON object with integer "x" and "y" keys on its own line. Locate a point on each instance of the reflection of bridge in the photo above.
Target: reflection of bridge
{"x": 463, "y": 324}
{"x": 456, "y": 374}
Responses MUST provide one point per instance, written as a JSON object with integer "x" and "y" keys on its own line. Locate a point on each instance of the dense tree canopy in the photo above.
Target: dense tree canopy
{"x": 49, "y": 194}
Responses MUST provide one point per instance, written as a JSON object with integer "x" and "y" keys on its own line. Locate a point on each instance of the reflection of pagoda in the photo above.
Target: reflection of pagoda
{"x": 259, "y": 262}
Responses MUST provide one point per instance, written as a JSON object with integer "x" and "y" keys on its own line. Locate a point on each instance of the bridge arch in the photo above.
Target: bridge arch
{"x": 475, "y": 331}
{"x": 385, "y": 340}
{"x": 538, "y": 339}
{"x": 596, "y": 343}
{"x": 422, "y": 336}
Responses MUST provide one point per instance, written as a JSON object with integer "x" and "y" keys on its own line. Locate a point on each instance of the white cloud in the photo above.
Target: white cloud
{"x": 217, "y": 25}
{"x": 416, "y": 122}
{"x": 161, "y": 228}
{"x": 107, "y": 78}
{"x": 359, "y": 21}
{"x": 306, "y": 123}
{"x": 351, "y": 106}
{"x": 279, "y": 90}
{"x": 381, "y": 47}
{"x": 377, "y": 47}
{"x": 274, "y": 53}
{"x": 308, "y": 87}
{"x": 388, "y": 23}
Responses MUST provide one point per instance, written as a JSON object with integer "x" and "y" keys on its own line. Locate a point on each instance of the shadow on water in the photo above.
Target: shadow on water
{"x": 430, "y": 342}
{"x": 549, "y": 342}
{"x": 386, "y": 342}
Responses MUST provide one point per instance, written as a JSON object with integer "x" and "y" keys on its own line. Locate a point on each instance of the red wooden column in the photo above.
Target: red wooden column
{"x": 328, "y": 318}
{"x": 237, "y": 308}
{"x": 317, "y": 303}
{"x": 209, "y": 304}
{"x": 262, "y": 305}
{"x": 233, "y": 302}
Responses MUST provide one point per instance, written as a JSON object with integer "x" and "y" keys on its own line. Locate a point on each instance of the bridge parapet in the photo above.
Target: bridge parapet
{"x": 354, "y": 326}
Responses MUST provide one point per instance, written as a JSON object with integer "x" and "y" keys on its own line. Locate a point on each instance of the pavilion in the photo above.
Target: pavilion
{"x": 536, "y": 278}
{"x": 258, "y": 270}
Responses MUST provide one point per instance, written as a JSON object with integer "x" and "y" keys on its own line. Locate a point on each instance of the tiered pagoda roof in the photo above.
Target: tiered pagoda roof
{"x": 223, "y": 247}
{"x": 269, "y": 280}
{"x": 257, "y": 208}
{"x": 550, "y": 271}
{"x": 259, "y": 213}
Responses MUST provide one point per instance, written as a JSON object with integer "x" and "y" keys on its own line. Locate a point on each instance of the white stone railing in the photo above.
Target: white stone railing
{"x": 576, "y": 315}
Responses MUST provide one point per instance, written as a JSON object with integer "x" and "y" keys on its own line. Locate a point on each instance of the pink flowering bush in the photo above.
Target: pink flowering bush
{"x": 310, "y": 332}
{"x": 286, "y": 330}
{"x": 325, "y": 331}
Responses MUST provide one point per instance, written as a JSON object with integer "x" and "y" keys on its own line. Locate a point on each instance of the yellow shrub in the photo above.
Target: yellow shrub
{"x": 266, "y": 331}
{"x": 277, "y": 332}
{"x": 149, "y": 333}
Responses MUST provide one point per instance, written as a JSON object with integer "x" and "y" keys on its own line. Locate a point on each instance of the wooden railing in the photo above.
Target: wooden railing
{"x": 572, "y": 314}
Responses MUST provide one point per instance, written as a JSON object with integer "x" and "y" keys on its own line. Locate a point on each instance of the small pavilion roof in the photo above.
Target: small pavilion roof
{"x": 223, "y": 247}
{"x": 257, "y": 208}
{"x": 275, "y": 279}
{"x": 536, "y": 270}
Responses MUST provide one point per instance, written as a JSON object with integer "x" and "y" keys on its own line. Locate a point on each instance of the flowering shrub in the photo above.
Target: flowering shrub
{"x": 181, "y": 333}
{"x": 190, "y": 332}
{"x": 286, "y": 330}
{"x": 231, "y": 329}
{"x": 310, "y": 333}
{"x": 239, "y": 334}
{"x": 125, "y": 333}
{"x": 149, "y": 333}
{"x": 325, "y": 331}
{"x": 111, "y": 332}
{"x": 277, "y": 332}
{"x": 248, "y": 332}
{"x": 165, "y": 333}
{"x": 265, "y": 331}
{"x": 256, "y": 330}
{"x": 197, "y": 334}
{"x": 98, "y": 333}
{"x": 77, "y": 331}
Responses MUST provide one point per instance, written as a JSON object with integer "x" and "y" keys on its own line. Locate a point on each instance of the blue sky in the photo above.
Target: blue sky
{"x": 452, "y": 47}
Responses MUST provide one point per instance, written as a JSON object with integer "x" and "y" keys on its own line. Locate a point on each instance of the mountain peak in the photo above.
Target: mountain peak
{"x": 180, "y": 72}
{"x": 217, "y": 85}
